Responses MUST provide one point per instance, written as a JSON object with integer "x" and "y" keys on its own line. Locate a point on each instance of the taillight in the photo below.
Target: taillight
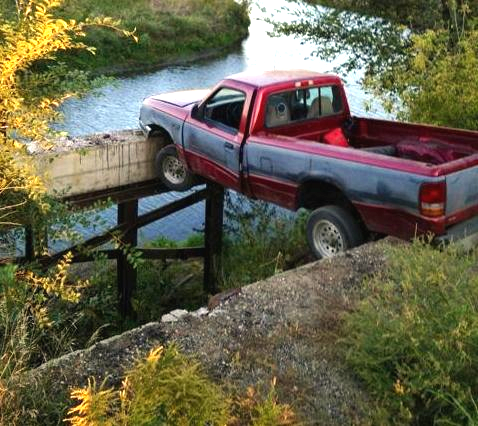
{"x": 433, "y": 199}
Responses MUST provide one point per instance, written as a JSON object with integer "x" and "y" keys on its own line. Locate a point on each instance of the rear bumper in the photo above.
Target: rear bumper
{"x": 464, "y": 234}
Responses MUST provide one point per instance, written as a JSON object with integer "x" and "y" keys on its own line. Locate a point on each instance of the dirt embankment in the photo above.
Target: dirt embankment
{"x": 283, "y": 327}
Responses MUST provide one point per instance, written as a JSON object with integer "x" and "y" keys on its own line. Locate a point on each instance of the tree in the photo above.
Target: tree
{"x": 406, "y": 49}
{"x": 29, "y": 99}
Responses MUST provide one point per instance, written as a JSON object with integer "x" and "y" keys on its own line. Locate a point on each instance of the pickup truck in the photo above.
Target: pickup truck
{"x": 288, "y": 137}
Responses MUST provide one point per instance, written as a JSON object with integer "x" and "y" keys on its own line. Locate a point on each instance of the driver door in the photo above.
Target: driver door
{"x": 213, "y": 136}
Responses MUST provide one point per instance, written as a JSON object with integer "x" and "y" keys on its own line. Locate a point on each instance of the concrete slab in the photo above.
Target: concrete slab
{"x": 102, "y": 162}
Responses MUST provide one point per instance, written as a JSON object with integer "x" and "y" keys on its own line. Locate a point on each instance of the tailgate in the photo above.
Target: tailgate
{"x": 462, "y": 195}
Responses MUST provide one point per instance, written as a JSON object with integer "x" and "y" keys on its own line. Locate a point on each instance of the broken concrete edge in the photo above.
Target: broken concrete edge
{"x": 98, "y": 162}
{"x": 68, "y": 143}
{"x": 123, "y": 350}
{"x": 214, "y": 303}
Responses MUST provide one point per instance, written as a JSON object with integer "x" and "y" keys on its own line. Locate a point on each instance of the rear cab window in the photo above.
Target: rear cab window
{"x": 302, "y": 104}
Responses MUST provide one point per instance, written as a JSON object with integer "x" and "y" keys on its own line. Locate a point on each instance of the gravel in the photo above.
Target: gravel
{"x": 284, "y": 327}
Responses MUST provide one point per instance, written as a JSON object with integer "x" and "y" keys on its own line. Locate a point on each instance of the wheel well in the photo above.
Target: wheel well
{"x": 317, "y": 193}
{"x": 160, "y": 133}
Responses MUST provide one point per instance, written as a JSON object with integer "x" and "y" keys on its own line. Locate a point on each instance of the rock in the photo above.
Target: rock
{"x": 216, "y": 312}
{"x": 201, "y": 312}
{"x": 220, "y": 298}
{"x": 174, "y": 316}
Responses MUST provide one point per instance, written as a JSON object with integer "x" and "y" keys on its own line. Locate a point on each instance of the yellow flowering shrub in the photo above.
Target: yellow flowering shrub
{"x": 168, "y": 388}
{"x": 29, "y": 100}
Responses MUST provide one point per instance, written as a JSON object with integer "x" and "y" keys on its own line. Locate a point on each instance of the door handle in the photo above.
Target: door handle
{"x": 228, "y": 145}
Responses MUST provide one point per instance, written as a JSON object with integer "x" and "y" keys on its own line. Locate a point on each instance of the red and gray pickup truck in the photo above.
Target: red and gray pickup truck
{"x": 288, "y": 137}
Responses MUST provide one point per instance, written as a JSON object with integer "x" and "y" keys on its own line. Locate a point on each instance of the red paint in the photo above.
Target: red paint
{"x": 274, "y": 190}
{"x": 402, "y": 224}
{"x": 212, "y": 170}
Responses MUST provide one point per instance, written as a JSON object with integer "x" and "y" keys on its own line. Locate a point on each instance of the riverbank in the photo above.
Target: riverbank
{"x": 287, "y": 327}
{"x": 170, "y": 32}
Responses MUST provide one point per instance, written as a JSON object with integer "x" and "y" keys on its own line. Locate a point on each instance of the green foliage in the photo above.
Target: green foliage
{"x": 414, "y": 338}
{"x": 168, "y": 388}
{"x": 35, "y": 310}
{"x": 356, "y": 40}
{"x": 37, "y": 323}
{"x": 165, "y": 388}
{"x": 415, "y": 14}
{"x": 439, "y": 84}
{"x": 167, "y": 30}
{"x": 419, "y": 57}
{"x": 256, "y": 410}
{"x": 260, "y": 241}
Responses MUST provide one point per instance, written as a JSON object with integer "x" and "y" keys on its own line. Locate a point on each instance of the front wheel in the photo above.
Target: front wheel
{"x": 332, "y": 230}
{"x": 172, "y": 171}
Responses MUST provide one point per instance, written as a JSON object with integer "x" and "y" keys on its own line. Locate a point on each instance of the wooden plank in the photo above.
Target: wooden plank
{"x": 109, "y": 254}
{"x": 182, "y": 253}
{"x": 118, "y": 195}
{"x": 29, "y": 244}
{"x": 175, "y": 253}
{"x": 126, "y": 272}
{"x": 125, "y": 227}
{"x": 213, "y": 236}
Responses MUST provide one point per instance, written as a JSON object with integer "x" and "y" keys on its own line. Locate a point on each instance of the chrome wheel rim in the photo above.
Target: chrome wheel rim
{"x": 327, "y": 239}
{"x": 174, "y": 170}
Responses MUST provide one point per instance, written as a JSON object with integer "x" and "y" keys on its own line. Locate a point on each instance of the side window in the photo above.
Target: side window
{"x": 302, "y": 104}
{"x": 225, "y": 108}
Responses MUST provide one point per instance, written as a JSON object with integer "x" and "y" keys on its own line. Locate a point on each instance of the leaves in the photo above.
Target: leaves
{"x": 413, "y": 339}
{"x": 419, "y": 58}
{"x": 29, "y": 98}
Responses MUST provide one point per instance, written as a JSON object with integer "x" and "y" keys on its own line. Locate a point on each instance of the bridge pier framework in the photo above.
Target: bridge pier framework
{"x": 128, "y": 223}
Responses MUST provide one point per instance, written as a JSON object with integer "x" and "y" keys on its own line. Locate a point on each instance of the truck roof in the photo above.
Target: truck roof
{"x": 270, "y": 78}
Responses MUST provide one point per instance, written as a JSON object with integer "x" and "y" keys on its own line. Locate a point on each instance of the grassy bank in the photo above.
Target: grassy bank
{"x": 414, "y": 338}
{"x": 258, "y": 243}
{"x": 168, "y": 31}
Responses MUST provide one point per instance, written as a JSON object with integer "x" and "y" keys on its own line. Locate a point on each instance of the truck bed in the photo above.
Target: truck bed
{"x": 437, "y": 148}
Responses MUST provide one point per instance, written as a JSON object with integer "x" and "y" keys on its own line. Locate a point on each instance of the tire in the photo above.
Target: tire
{"x": 332, "y": 230}
{"x": 172, "y": 171}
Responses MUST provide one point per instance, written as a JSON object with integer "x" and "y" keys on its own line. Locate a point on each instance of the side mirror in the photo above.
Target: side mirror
{"x": 195, "y": 112}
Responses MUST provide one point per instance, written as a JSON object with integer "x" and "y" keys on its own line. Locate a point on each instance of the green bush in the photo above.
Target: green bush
{"x": 170, "y": 29}
{"x": 414, "y": 338}
{"x": 168, "y": 388}
{"x": 260, "y": 241}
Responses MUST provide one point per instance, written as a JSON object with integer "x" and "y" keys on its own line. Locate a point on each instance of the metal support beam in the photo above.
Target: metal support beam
{"x": 127, "y": 276}
{"x": 213, "y": 236}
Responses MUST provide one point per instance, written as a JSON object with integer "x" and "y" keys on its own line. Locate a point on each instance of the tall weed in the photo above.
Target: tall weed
{"x": 260, "y": 240}
{"x": 414, "y": 338}
{"x": 168, "y": 388}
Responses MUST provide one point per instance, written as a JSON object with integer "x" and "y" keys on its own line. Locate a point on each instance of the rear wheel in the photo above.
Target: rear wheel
{"x": 172, "y": 171}
{"x": 332, "y": 230}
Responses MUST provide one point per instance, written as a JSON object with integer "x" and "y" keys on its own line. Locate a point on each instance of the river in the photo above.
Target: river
{"x": 117, "y": 106}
